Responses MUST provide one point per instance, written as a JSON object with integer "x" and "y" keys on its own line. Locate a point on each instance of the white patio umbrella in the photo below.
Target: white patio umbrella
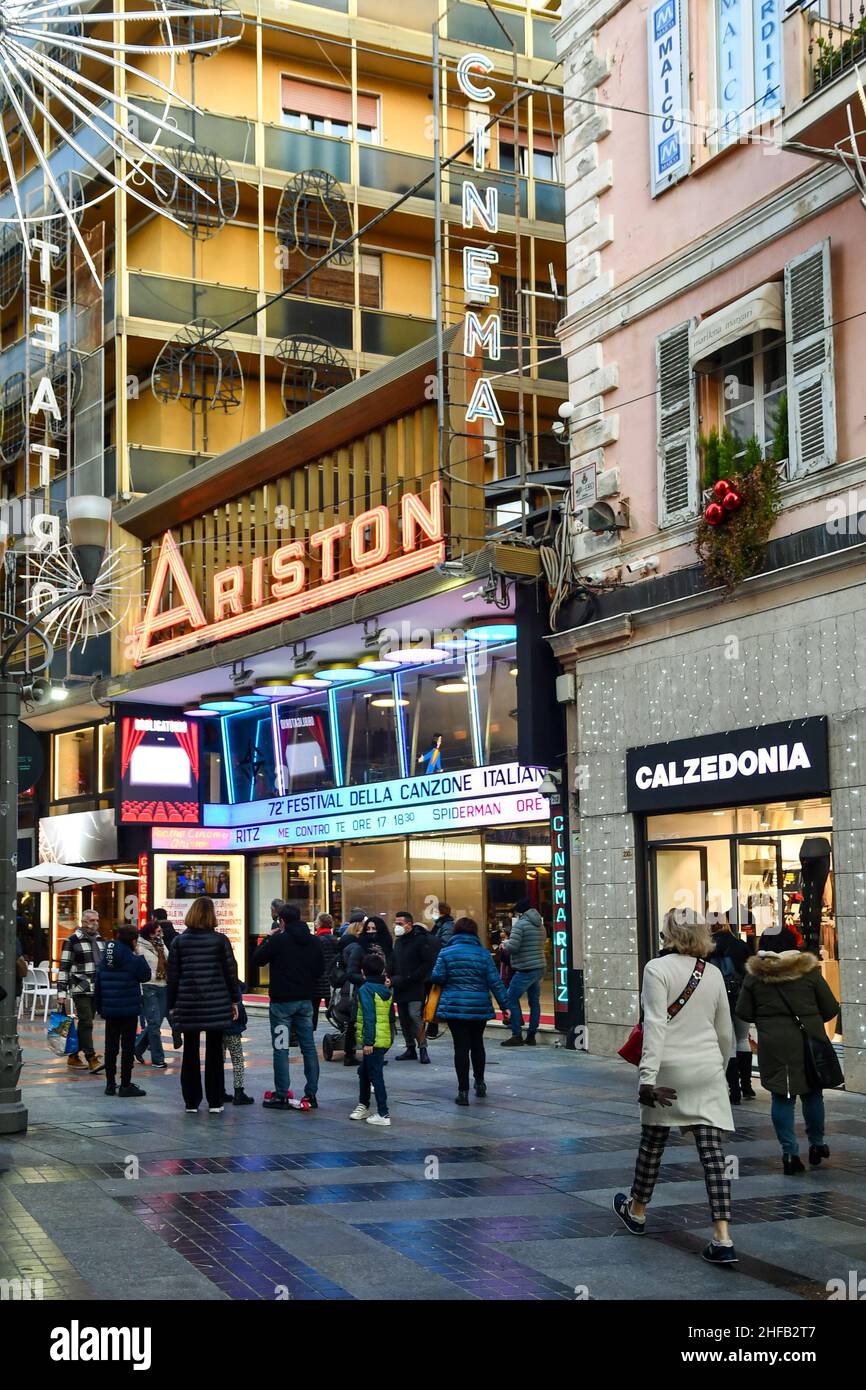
{"x": 63, "y": 878}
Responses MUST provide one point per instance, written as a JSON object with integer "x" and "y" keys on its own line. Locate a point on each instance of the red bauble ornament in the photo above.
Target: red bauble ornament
{"x": 714, "y": 514}
{"x": 732, "y": 500}
{"x": 721, "y": 489}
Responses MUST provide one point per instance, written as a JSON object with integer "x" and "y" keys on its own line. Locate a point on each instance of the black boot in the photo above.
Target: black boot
{"x": 481, "y": 1089}
{"x": 791, "y": 1164}
{"x": 816, "y": 1153}
{"x": 410, "y": 1055}
{"x": 461, "y": 1098}
{"x": 423, "y": 1054}
{"x": 732, "y": 1076}
{"x": 240, "y": 1097}
{"x": 744, "y": 1063}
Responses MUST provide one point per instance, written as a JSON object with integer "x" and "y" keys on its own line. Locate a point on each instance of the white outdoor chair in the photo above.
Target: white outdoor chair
{"x": 28, "y": 987}
{"x": 44, "y": 989}
{"x": 44, "y": 965}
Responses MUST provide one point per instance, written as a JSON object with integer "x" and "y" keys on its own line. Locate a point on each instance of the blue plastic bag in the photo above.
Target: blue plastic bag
{"x": 62, "y": 1033}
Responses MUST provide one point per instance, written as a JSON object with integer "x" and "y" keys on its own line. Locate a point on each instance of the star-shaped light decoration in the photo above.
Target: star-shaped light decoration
{"x": 58, "y": 64}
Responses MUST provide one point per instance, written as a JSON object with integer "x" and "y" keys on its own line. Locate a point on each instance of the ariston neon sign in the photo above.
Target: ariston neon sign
{"x": 282, "y": 585}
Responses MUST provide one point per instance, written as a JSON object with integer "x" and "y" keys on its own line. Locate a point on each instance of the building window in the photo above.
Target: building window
{"x": 543, "y": 164}
{"x": 750, "y": 380}
{"x": 74, "y": 758}
{"x": 324, "y": 110}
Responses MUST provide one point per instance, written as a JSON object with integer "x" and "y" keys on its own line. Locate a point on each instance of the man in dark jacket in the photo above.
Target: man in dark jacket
{"x": 444, "y": 924}
{"x": 525, "y": 951}
{"x": 411, "y": 968}
{"x": 297, "y": 962}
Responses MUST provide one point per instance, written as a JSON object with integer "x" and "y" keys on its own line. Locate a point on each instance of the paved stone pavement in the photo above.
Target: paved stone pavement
{"x": 509, "y": 1199}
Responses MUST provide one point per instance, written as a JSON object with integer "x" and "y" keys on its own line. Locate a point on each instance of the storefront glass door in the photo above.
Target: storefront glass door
{"x": 678, "y": 878}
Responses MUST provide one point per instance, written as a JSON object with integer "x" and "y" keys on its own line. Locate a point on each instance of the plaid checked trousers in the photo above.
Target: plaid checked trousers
{"x": 708, "y": 1139}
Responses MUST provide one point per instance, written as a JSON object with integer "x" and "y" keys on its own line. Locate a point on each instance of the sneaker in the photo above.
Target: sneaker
{"x": 622, "y": 1207}
{"x": 191, "y": 1110}
{"x": 160, "y": 1066}
{"x": 719, "y": 1254}
{"x": 131, "y": 1090}
{"x": 110, "y": 1088}
{"x": 303, "y": 1104}
{"x": 481, "y": 1089}
{"x": 514, "y": 1041}
{"x": 360, "y": 1112}
{"x": 272, "y": 1095}
{"x": 350, "y": 1061}
{"x": 273, "y": 1102}
{"x": 461, "y": 1098}
{"x": 312, "y": 1102}
{"x": 529, "y": 1040}
{"x": 95, "y": 1063}
{"x": 816, "y": 1153}
{"x": 215, "y": 1110}
{"x": 73, "y": 1060}
{"x": 384, "y": 1120}
{"x": 410, "y": 1055}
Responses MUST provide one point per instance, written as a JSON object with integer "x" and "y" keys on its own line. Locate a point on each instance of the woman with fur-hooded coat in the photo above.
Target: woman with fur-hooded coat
{"x": 777, "y": 986}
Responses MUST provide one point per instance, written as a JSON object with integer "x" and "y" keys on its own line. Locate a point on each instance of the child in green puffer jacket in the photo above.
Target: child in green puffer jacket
{"x": 374, "y": 1033}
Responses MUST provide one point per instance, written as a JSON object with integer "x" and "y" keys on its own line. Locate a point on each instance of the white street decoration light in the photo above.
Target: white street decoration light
{"x": 92, "y": 575}
{"x": 45, "y": 46}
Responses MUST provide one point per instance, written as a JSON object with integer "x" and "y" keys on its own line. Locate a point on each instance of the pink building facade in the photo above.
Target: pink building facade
{"x": 716, "y": 282}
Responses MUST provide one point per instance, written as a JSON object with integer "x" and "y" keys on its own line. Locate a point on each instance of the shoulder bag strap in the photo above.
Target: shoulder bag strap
{"x": 693, "y": 982}
{"x": 787, "y": 1004}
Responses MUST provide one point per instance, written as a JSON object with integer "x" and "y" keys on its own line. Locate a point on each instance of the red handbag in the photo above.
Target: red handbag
{"x": 632, "y": 1048}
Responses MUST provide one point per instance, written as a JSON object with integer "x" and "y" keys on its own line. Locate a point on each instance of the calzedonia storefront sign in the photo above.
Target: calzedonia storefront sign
{"x": 771, "y": 763}
{"x": 500, "y": 795}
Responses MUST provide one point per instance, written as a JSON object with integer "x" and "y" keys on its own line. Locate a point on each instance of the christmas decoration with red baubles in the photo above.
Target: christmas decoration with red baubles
{"x": 726, "y": 499}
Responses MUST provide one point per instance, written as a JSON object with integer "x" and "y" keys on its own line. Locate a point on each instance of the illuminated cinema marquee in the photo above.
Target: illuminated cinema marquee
{"x": 480, "y": 209}
{"x": 351, "y": 557}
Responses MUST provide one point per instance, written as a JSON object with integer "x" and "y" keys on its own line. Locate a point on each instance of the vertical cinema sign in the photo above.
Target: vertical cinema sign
{"x": 561, "y": 912}
{"x": 482, "y": 332}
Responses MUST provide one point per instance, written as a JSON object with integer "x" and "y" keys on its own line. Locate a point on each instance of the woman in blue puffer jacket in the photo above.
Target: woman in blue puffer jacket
{"x": 117, "y": 997}
{"x": 465, "y": 970}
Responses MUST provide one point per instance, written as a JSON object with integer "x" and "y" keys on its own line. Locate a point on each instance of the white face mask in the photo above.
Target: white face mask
{"x": 399, "y": 929}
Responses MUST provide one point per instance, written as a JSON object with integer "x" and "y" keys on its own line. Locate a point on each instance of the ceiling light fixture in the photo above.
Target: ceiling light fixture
{"x": 492, "y": 632}
{"x": 341, "y": 672}
{"x": 452, "y": 688}
{"x": 416, "y": 656}
{"x": 273, "y": 689}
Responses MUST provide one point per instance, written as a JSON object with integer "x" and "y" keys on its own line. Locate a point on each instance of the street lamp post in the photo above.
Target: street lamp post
{"x": 89, "y": 525}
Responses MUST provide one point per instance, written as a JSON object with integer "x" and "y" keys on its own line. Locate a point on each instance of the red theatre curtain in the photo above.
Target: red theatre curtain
{"x": 130, "y": 739}
{"x": 189, "y": 743}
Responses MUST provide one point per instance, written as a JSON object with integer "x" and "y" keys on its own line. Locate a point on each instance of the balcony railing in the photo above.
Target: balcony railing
{"x": 178, "y": 301}
{"x": 295, "y": 150}
{"x": 390, "y": 334}
{"x": 837, "y": 39}
{"x": 311, "y": 318}
{"x": 394, "y": 173}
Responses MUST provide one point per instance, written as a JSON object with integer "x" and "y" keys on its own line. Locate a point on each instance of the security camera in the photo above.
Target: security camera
{"x": 595, "y": 577}
{"x": 551, "y": 782}
{"x": 474, "y": 594}
{"x": 454, "y": 569}
{"x": 645, "y": 565}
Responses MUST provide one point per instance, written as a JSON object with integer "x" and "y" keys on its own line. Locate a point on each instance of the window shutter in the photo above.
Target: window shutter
{"x": 811, "y": 389}
{"x": 677, "y": 416}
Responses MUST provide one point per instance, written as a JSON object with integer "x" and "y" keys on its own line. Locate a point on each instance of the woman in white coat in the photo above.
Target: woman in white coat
{"x": 687, "y": 1038}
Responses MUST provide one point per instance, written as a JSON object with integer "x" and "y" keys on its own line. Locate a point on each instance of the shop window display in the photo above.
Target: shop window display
{"x": 762, "y": 867}
{"x": 250, "y": 746}
{"x": 436, "y": 718}
{"x": 496, "y": 683}
{"x": 366, "y": 719}
{"x": 74, "y": 764}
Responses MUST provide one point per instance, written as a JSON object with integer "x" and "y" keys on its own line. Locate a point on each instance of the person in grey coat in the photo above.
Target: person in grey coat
{"x": 525, "y": 951}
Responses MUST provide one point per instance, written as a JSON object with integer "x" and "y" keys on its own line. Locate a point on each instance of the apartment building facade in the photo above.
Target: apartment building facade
{"x": 715, "y": 293}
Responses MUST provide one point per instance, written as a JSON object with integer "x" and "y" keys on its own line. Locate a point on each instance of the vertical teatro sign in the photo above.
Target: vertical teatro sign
{"x": 481, "y": 331}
